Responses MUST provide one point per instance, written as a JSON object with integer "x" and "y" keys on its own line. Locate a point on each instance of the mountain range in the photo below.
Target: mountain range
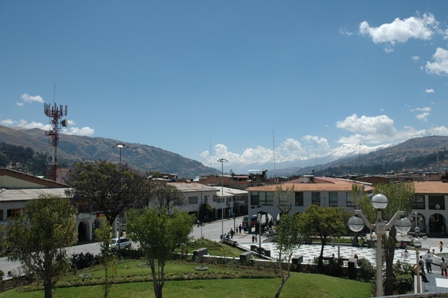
{"x": 74, "y": 148}
{"x": 425, "y": 153}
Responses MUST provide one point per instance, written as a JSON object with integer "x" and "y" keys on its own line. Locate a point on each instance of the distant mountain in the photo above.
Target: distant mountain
{"x": 79, "y": 148}
{"x": 426, "y": 154}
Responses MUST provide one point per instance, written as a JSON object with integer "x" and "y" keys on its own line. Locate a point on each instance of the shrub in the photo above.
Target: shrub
{"x": 365, "y": 271}
{"x": 403, "y": 283}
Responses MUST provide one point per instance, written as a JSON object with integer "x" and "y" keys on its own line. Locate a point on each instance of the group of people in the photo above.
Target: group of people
{"x": 427, "y": 262}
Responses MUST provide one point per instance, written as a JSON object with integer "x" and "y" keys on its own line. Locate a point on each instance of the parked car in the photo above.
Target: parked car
{"x": 120, "y": 243}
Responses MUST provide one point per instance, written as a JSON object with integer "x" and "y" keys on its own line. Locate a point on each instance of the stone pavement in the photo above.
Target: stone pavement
{"x": 437, "y": 283}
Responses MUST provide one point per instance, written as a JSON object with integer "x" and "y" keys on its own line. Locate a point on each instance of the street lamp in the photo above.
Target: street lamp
{"x": 356, "y": 224}
{"x": 120, "y": 146}
{"x": 417, "y": 246}
{"x": 222, "y": 160}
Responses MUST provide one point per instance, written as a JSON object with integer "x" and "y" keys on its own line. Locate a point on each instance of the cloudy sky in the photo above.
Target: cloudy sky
{"x": 230, "y": 79}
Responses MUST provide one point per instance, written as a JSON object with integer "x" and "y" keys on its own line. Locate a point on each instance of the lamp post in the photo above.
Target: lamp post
{"x": 260, "y": 219}
{"x": 120, "y": 146}
{"x": 222, "y": 160}
{"x": 417, "y": 246}
{"x": 356, "y": 224}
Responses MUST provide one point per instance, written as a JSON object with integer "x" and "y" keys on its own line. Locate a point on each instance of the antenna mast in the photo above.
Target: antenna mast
{"x": 273, "y": 145}
{"x": 55, "y": 114}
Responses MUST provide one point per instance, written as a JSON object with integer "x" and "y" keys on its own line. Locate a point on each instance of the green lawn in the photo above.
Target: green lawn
{"x": 299, "y": 285}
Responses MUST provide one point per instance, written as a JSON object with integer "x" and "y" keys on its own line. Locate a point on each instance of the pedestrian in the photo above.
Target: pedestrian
{"x": 240, "y": 228}
{"x": 422, "y": 274}
{"x": 443, "y": 267}
{"x": 421, "y": 264}
{"x": 441, "y": 246}
{"x": 253, "y": 238}
{"x": 231, "y": 233}
{"x": 428, "y": 261}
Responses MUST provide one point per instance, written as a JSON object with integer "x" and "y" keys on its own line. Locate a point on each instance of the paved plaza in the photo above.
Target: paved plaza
{"x": 437, "y": 283}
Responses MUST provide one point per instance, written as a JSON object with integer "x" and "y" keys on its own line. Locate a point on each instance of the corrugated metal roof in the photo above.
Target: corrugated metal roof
{"x": 191, "y": 186}
{"x": 29, "y": 194}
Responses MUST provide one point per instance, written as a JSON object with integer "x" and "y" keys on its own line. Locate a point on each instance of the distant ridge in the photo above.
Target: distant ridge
{"x": 80, "y": 148}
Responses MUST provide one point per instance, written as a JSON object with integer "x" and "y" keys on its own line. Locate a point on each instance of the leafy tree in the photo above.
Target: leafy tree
{"x": 165, "y": 196}
{"x": 323, "y": 222}
{"x": 288, "y": 237}
{"x": 284, "y": 198}
{"x": 159, "y": 234}
{"x": 107, "y": 187}
{"x": 205, "y": 212}
{"x": 107, "y": 258}
{"x": 37, "y": 238}
{"x": 400, "y": 197}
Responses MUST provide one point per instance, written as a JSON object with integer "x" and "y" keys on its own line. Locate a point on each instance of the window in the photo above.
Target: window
{"x": 315, "y": 198}
{"x": 269, "y": 198}
{"x": 350, "y": 200}
{"x": 262, "y": 196}
{"x": 254, "y": 198}
{"x": 1, "y": 214}
{"x": 436, "y": 202}
{"x": 299, "y": 199}
{"x": 418, "y": 202}
{"x": 193, "y": 200}
{"x": 205, "y": 199}
{"x": 333, "y": 199}
{"x": 13, "y": 212}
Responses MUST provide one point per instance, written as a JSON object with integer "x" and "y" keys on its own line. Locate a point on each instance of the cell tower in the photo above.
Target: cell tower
{"x": 55, "y": 114}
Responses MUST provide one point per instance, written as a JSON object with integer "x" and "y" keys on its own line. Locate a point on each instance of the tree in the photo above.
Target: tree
{"x": 288, "y": 237}
{"x": 400, "y": 197}
{"x": 284, "y": 198}
{"x": 37, "y": 238}
{"x": 107, "y": 258}
{"x": 159, "y": 233}
{"x": 165, "y": 196}
{"x": 323, "y": 222}
{"x": 107, "y": 187}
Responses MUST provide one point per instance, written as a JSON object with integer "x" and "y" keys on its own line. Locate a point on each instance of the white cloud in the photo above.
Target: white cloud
{"x": 344, "y": 31}
{"x": 415, "y": 58}
{"x": 31, "y": 98}
{"x": 439, "y": 131}
{"x": 401, "y": 30}
{"x": 85, "y": 131}
{"x": 429, "y": 90}
{"x": 440, "y": 64}
{"x": 19, "y": 104}
{"x": 378, "y": 125}
{"x": 424, "y": 113}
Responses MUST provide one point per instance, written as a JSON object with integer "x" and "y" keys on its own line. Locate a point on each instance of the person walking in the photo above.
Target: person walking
{"x": 428, "y": 261}
{"x": 443, "y": 267}
{"x": 239, "y": 228}
{"x": 441, "y": 246}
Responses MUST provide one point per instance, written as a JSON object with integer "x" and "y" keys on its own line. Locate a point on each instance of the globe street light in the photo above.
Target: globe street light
{"x": 417, "y": 246}
{"x": 356, "y": 224}
{"x": 222, "y": 160}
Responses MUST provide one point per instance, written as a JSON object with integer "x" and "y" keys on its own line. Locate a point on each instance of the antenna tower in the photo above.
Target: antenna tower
{"x": 55, "y": 114}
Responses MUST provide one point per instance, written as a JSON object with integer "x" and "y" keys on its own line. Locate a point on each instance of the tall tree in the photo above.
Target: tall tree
{"x": 288, "y": 237}
{"x": 159, "y": 233}
{"x": 107, "y": 258}
{"x": 107, "y": 187}
{"x": 284, "y": 198}
{"x": 400, "y": 197}
{"x": 37, "y": 238}
{"x": 323, "y": 222}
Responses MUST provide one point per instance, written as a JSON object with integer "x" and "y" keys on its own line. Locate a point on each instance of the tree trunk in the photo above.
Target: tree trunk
{"x": 47, "y": 289}
{"x": 284, "y": 280}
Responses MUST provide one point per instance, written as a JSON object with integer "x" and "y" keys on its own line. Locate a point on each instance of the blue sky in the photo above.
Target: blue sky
{"x": 308, "y": 78}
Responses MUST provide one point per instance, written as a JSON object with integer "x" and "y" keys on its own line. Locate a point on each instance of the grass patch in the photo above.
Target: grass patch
{"x": 299, "y": 285}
